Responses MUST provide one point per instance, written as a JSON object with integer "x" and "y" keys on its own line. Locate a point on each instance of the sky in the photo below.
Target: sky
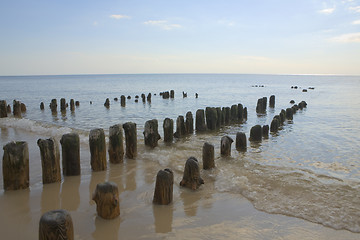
{"x": 42, "y": 37}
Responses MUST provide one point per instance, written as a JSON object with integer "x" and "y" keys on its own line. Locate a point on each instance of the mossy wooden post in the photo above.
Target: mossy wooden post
{"x": 191, "y": 178}
{"x": 53, "y": 105}
{"x": 289, "y": 113}
{"x": 234, "y": 114}
{"x": 180, "y": 127}
{"x": 97, "y": 149}
{"x": 3, "y": 110}
{"x": 17, "y": 109}
{"x": 211, "y": 118}
{"x": 272, "y": 101}
{"x": 265, "y": 131}
{"x": 50, "y": 160}
{"x": 241, "y": 143}
{"x": 56, "y": 225}
{"x": 274, "y": 126}
{"x": 151, "y": 133}
{"x": 72, "y": 105}
{"x": 208, "y": 156}
{"x": 116, "y": 144}
{"x": 70, "y": 148}
{"x": 240, "y": 112}
{"x": 106, "y": 197}
{"x": 256, "y": 133}
{"x": 225, "y": 147}
{"x": 62, "y": 104}
{"x": 130, "y": 140}
{"x": 168, "y": 127}
{"x": 189, "y": 123}
{"x": 163, "y": 193}
{"x": 16, "y": 166}
{"x": 200, "y": 125}
{"x": 123, "y": 100}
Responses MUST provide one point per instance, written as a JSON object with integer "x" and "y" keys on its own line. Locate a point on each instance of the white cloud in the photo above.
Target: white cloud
{"x": 118, "y": 16}
{"x": 162, "y": 24}
{"x": 355, "y": 9}
{"x": 356, "y": 22}
{"x": 347, "y": 38}
{"x": 327, "y": 10}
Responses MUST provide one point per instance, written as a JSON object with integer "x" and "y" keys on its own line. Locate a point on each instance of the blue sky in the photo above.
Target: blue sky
{"x": 198, "y": 36}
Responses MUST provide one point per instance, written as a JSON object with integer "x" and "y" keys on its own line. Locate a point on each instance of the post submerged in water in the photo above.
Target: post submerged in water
{"x": 97, "y": 149}
{"x": 272, "y": 101}
{"x": 106, "y": 197}
{"x": 256, "y": 133}
{"x": 151, "y": 134}
{"x": 50, "y": 160}
{"x": 191, "y": 178}
{"x": 225, "y": 146}
{"x": 56, "y": 225}
{"x": 130, "y": 140}
{"x": 208, "y": 156}
{"x": 163, "y": 193}
{"x": 3, "y": 110}
{"x": 180, "y": 127}
{"x": 168, "y": 127}
{"x": 211, "y": 118}
{"x": 17, "y": 109}
{"x": 116, "y": 144}
{"x": 241, "y": 143}
{"x": 70, "y": 148}
{"x": 200, "y": 121}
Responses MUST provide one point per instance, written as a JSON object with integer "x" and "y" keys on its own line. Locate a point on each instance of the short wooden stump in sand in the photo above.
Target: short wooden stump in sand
{"x": 106, "y": 197}
{"x": 192, "y": 178}
{"x": 163, "y": 194}
{"x": 56, "y": 225}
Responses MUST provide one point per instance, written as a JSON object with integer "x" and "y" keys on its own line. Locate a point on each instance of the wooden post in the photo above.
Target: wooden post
{"x": 62, "y": 104}
{"x": 8, "y": 109}
{"x": 245, "y": 114}
{"x": 274, "y": 126}
{"x": 148, "y": 98}
{"x": 219, "y": 118}
{"x": 240, "y": 112}
{"x": 226, "y": 142}
{"x": 200, "y": 121}
{"x": 289, "y": 113}
{"x": 50, "y": 160}
{"x": 227, "y": 115}
{"x": 130, "y": 140}
{"x": 211, "y": 118}
{"x": 265, "y": 131}
{"x": 151, "y": 134}
{"x": 234, "y": 114}
{"x": 106, "y": 197}
{"x": 163, "y": 193}
{"x": 107, "y": 103}
{"x": 56, "y": 225}
{"x": 116, "y": 145}
{"x": 123, "y": 100}
{"x": 3, "y": 110}
{"x": 23, "y": 107}
{"x": 172, "y": 94}
{"x": 180, "y": 127}
{"x": 16, "y": 166}
{"x": 272, "y": 101}
{"x": 208, "y": 156}
{"x": 53, "y": 105}
{"x": 241, "y": 143}
{"x": 189, "y": 123}
{"x": 256, "y": 133}
{"x": 168, "y": 127}
{"x": 72, "y": 105}
{"x": 70, "y": 148}
{"x": 77, "y": 103}
{"x": 17, "y": 108}
{"x": 282, "y": 116}
{"x": 191, "y": 178}
{"x": 97, "y": 149}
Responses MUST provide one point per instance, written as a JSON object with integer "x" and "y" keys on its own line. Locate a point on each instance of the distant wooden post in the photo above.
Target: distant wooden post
{"x": 116, "y": 144}
{"x": 272, "y": 101}
{"x": 50, "y": 160}
{"x": 130, "y": 140}
{"x": 97, "y": 149}
{"x": 168, "y": 126}
{"x": 265, "y": 131}
{"x": 151, "y": 134}
{"x": 226, "y": 142}
{"x": 208, "y": 156}
{"x": 23, "y": 107}
{"x": 189, "y": 123}
{"x": 17, "y": 108}
{"x": 3, "y": 110}
{"x": 53, "y": 105}
{"x": 256, "y": 133}
{"x": 200, "y": 121}
{"x": 72, "y": 105}
{"x": 241, "y": 143}
{"x": 70, "y": 148}
{"x": 56, "y": 225}
{"x": 274, "y": 126}
{"x": 163, "y": 193}
{"x": 289, "y": 113}
{"x": 62, "y": 104}
{"x": 106, "y": 197}
{"x": 123, "y": 100}
{"x": 172, "y": 94}
{"x": 107, "y": 103}
{"x": 180, "y": 127}
{"x": 8, "y": 109}
{"x": 191, "y": 178}
{"x": 16, "y": 166}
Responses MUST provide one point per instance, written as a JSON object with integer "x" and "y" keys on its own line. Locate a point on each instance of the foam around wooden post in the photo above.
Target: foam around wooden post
{"x": 106, "y": 197}
{"x": 163, "y": 193}
{"x": 56, "y": 225}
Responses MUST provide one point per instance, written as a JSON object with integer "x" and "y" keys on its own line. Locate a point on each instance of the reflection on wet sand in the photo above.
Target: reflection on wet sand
{"x": 106, "y": 229}
{"x": 190, "y": 200}
{"x": 70, "y": 195}
{"x": 163, "y": 218}
{"x": 130, "y": 182}
{"x": 50, "y": 199}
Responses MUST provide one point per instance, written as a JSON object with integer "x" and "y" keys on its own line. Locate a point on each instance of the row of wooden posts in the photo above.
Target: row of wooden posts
{"x": 18, "y": 108}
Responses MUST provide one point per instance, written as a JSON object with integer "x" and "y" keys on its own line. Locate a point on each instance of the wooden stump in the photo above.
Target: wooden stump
{"x": 8, "y": 108}
{"x": 191, "y": 178}
{"x": 62, "y": 104}
{"x": 261, "y": 105}
{"x": 23, "y": 107}
{"x": 70, "y": 148}
{"x": 289, "y": 113}
{"x": 234, "y": 114}
{"x": 219, "y": 118}
{"x": 265, "y": 131}
{"x": 241, "y": 143}
{"x": 16, "y": 166}
{"x": 77, "y": 103}
{"x": 116, "y": 144}
{"x": 148, "y": 98}
{"x": 172, "y": 94}
{"x": 211, "y": 118}
{"x": 107, "y": 103}
{"x": 106, "y": 196}
{"x": 53, "y": 105}
{"x": 72, "y": 105}
{"x": 272, "y": 101}
{"x": 226, "y": 142}
{"x": 151, "y": 134}
{"x": 130, "y": 140}
{"x": 50, "y": 160}
{"x": 282, "y": 116}
{"x": 256, "y": 133}
{"x": 200, "y": 121}
{"x": 17, "y": 108}
{"x": 123, "y": 100}
{"x": 240, "y": 112}
{"x": 189, "y": 123}
{"x": 208, "y": 156}
{"x": 3, "y": 110}
{"x": 227, "y": 115}
{"x": 56, "y": 225}
{"x": 97, "y": 149}
{"x": 245, "y": 114}
{"x": 163, "y": 193}
{"x": 274, "y": 126}
{"x": 180, "y": 127}
{"x": 168, "y": 127}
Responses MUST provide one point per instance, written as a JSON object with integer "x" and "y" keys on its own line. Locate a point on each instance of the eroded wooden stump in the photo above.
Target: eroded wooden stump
{"x": 189, "y": 123}
{"x": 163, "y": 193}
{"x": 272, "y": 101}
{"x": 227, "y": 115}
{"x": 123, "y": 100}
{"x": 151, "y": 133}
{"x": 172, "y": 94}
{"x": 130, "y": 140}
{"x": 200, "y": 125}
{"x": 17, "y": 108}
{"x": 72, "y": 105}
{"x": 50, "y": 160}
{"x": 208, "y": 156}
{"x": 62, "y": 104}
{"x": 241, "y": 143}
{"x": 219, "y": 118}
{"x": 245, "y": 114}
{"x": 70, "y": 148}
{"x": 265, "y": 131}
{"x": 97, "y": 149}
{"x": 240, "y": 112}
{"x": 53, "y": 105}
{"x": 56, "y": 225}
{"x": 289, "y": 113}
{"x": 116, "y": 144}
{"x": 106, "y": 197}
{"x": 234, "y": 114}
{"x": 3, "y": 110}
{"x": 180, "y": 127}
{"x": 23, "y": 107}
{"x": 225, "y": 147}
{"x": 16, "y": 166}
{"x": 274, "y": 126}
{"x": 211, "y": 118}
{"x": 256, "y": 133}
{"x": 191, "y": 178}
{"x": 107, "y": 103}
{"x": 168, "y": 127}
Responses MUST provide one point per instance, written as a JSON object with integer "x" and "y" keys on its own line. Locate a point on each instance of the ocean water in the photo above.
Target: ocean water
{"x": 310, "y": 169}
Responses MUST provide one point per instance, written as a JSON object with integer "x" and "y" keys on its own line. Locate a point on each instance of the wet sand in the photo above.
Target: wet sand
{"x": 202, "y": 214}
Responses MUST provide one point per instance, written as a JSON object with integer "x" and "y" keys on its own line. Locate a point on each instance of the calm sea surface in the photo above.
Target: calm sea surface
{"x": 309, "y": 169}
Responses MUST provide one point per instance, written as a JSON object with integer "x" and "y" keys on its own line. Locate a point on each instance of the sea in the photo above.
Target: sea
{"x": 309, "y": 169}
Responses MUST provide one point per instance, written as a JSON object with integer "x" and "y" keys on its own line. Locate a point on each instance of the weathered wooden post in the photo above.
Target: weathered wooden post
{"x": 23, "y": 107}
{"x": 72, "y": 105}
{"x": 70, "y": 148}
{"x": 234, "y": 114}
{"x": 219, "y": 117}
{"x": 168, "y": 127}
{"x": 107, "y": 103}
{"x": 143, "y": 98}
{"x": 42, "y": 106}
{"x": 172, "y": 94}
{"x": 240, "y": 112}
{"x": 211, "y": 118}
{"x": 148, "y": 98}
{"x": 241, "y": 143}
{"x": 227, "y": 115}
{"x": 226, "y": 142}
{"x": 151, "y": 134}
{"x": 191, "y": 178}
{"x": 264, "y": 103}
{"x": 106, "y": 197}
{"x": 3, "y": 110}
{"x": 56, "y": 225}
{"x": 53, "y": 105}
{"x": 256, "y": 133}
{"x": 272, "y": 101}
{"x": 8, "y": 108}
{"x": 123, "y": 100}
{"x": 163, "y": 193}
{"x": 289, "y": 113}
{"x": 130, "y": 140}
{"x": 180, "y": 127}
{"x": 302, "y": 105}
{"x": 62, "y": 104}
{"x": 50, "y": 160}
{"x": 260, "y": 106}
{"x": 245, "y": 114}
{"x": 200, "y": 121}
{"x": 17, "y": 108}
{"x": 77, "y": 103}
{"x": 274, "y": 126}
{"x": 223, "y": 116}
{"x": 16, "y": 166}
{"x": 265, "y": 131}
{"x": 189, "y": 123}
{"x": 208, "y": 156}
{"x": 116, "y": 144}
{"x": 282, "y": 116}
{"x": 97, "y": 149}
